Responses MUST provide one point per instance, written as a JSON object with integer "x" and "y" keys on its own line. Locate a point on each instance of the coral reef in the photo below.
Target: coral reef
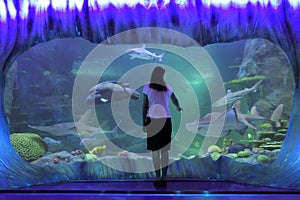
{"x": 214, "y": 148}
{"x": 246, "y": 82}
{"x": 244, "y": 154}
{"x": 123, "y": 153}
{"x": 99, "y": 150}
{"x": 59, "y": 157}
{"x": 215, "y": 155}
{"x": 90, "y": 157}
{"x": 263, "y": 159}
{"x": 29, "y": 146}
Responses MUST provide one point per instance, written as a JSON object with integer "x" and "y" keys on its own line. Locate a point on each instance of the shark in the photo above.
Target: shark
{"x": 144, "y": 54}
{"x": 231, "y": 97}
{"x": 57, "y": 130}
{"x": 232, "y": 118}
{"x": 108, "y": 91}
{"x": 82, "y": 128}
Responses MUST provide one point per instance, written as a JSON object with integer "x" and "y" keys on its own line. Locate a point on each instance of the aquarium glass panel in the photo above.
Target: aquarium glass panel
{"x": 69, "y": 100}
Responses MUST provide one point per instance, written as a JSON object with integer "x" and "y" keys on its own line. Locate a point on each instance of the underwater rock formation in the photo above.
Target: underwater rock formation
{"x": 9, "y": 90}
{"x": 48, "y": 82}
{"x": 208, "y": 25}
{"x": 263, "y": 58}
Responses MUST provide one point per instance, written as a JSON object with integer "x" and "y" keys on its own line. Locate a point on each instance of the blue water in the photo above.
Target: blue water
{"x": 50, "y": 87}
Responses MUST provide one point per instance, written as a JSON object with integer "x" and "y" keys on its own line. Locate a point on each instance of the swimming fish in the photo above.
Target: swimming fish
{"x": 109, "y": 91}
{"x": 143, "y": 53}
{"x": 58, "y": 130}
{"x": 277, "y": 115}
{"x": 231, "y": 97}
{"x": 80, "y": 127}
{"x": 232, "y": 119}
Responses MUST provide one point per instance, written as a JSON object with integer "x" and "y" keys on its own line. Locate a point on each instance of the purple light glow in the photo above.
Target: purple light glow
{"x": 241, "y": 3}
{"x": 26, "y": 23}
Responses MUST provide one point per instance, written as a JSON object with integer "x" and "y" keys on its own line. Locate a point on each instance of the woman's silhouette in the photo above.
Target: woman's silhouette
{"x": 157, "y": 121}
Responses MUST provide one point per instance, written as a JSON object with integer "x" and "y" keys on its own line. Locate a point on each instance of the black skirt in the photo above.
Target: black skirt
{"x": 159, "y": 131}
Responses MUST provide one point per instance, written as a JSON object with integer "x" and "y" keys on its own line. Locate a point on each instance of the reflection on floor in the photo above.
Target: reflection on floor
{"x": 144, "y": 189}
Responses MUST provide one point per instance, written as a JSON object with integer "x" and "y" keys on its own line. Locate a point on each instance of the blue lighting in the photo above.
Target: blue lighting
{"x": 40, "y": 5}
{"x": 59, "y": 5}
{"x": 295, "y": 3}
{"x": 2, "y": 11}
{"x": 241, "y": 3}
{"x": 11, "y": 9}
{"x": 73, "y": 4}
{"x": 25, "y": 23}
{"x": 24, "y": 9}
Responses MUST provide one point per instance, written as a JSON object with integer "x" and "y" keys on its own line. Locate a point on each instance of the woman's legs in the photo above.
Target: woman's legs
{"x": 160, "y": 160}
{"x": 164, "y": 163}
{"x": 156, "y": 163}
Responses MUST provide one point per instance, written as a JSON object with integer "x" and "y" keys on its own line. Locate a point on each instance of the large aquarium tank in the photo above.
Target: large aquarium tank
{"x": 72, "y": 92}
{"x": 54, "y": 117}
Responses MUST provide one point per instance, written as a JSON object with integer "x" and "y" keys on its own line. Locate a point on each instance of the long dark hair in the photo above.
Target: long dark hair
{"x": 157, "y": 79}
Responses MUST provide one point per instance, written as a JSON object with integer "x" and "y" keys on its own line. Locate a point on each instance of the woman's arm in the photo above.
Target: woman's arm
{"x": 145, "y": 108}
{"x": 175, "y": 102}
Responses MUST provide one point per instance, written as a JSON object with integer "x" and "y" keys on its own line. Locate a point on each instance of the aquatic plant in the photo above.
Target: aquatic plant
{"x": 265, "y": 134}
{"x": 233, "y": 155}
{"x": 98, "y": 150}
{"x": 214, "y": 148}
{"x": 215, "y": 156}
{"x": 243, "y": 154}
{"x": 266, "y": 126}
{"x": 249, "y": 136}
{"x": 282, "y": 131}
{"x": 263, "y": 107}
{"x": 279, "y": 136}
{"x": 224, "y": 145}
{"x": 267, "y": 139}
{"x": 253, "y": 143}
{"x": 74, "y": 72}
{"x": 29, "y": 146}
{"x": 285, "y": 123}
{"x": 46, "y": 73}
{"x": 263, "y": 159}
{"x": 90, "y": 157}
{"x": 241, "y": 83}
{"x": 271, "y": 147}
{"x": 66, "y": 96}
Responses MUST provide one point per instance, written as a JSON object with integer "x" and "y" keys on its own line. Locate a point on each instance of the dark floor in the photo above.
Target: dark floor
{"x": 176, "y": 189}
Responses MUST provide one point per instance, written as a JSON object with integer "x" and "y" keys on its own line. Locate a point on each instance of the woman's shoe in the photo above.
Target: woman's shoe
{"x": 162, "y": 183}
{"x": 156, "y": 183}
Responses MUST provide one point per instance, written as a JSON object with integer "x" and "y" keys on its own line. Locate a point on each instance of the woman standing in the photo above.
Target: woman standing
{"x": 157, "y": 122}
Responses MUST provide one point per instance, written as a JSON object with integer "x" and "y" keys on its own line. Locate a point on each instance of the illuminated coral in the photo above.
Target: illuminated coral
{"x": 215, "y": 156}
{"x": 262, "y": 159}
{"x": 90, "y": 157}
{"x": 214, "y": 148}
{"x": 244, "y": 154}
{"x": 98, "y": 151}
{"x": 29, "y": 146}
